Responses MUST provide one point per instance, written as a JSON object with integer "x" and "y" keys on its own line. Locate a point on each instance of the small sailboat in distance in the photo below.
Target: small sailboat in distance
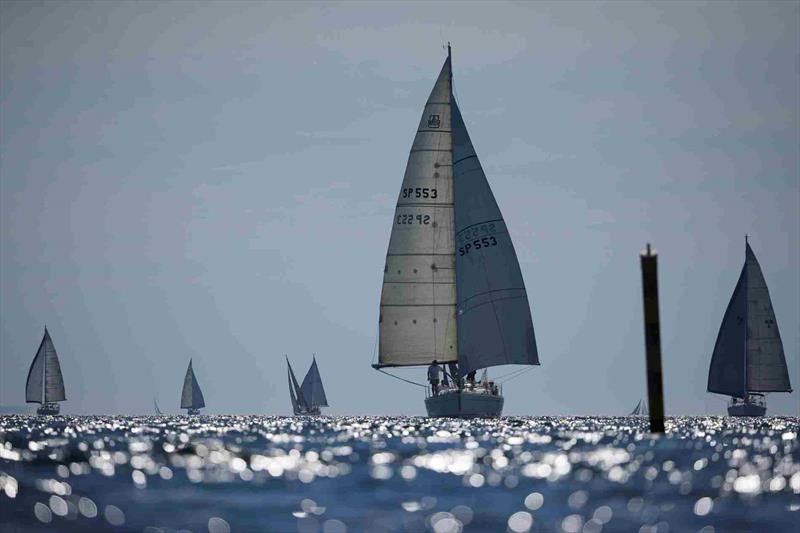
{"x": 453, "y": 292}
{"x": 748, "y": 359}
{"x": 155, "y": 405}
{"x": 191, "y": 396}
{"x": 640, "y": 409}
{"x": 308, "y": 398}
{"x": 45, "y": 384}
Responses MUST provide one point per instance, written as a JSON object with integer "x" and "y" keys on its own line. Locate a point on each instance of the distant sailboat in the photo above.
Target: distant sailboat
{"x": 45, "y": 384}
{"x": 191, "y": 396}
{"x": 748, "y": 359}
{"x": 310, "y": 396}
{"x": 155, "y": 405}
{"x": 640, "y": 409}
{"x": 453, "y": 291}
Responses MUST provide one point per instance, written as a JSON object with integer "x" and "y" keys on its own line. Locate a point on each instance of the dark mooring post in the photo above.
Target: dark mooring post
{"x": 652, "y": 340}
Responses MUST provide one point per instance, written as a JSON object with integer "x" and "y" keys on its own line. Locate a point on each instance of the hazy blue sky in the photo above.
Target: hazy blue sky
{"x": 217, "y": 180}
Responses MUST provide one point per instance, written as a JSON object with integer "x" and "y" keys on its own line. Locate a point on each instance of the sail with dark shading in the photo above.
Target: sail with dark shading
{"x": 312, "y": 389}
{"x": 727, "y": 372}
{"x": 45, "y": 383}
{"x": 191, "y": 396}
{"x": 155, "y": 405}
{"x": 640, "y": 409}
{"x": 766, "y": 361}
{"x": 494, "y": 318}
{"x": 295, "y": 392}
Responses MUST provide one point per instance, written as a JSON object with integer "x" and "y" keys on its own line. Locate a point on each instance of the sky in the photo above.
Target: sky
{"x": 217, "y": 181}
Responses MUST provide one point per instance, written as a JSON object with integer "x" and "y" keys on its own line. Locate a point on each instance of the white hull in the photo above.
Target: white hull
{"x": 463, "y": 404}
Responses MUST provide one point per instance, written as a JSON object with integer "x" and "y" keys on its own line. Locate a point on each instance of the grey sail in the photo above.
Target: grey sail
{"x": 637, "y": 410}
{"x": 295, "y": 392}
{"x": 726, "y": 374}
{"x": 417, "y": 323}
{"x": 494, "y": 318}
{"x": 45, "y": 382}
{"x": 312, "y": 389}
{"x": 766, "y": 362}
{"x": 191, "y": 396}
{"x": 155, "y": 405}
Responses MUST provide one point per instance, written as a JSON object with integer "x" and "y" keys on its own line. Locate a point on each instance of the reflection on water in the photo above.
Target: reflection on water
{"x": 223, "y": 474}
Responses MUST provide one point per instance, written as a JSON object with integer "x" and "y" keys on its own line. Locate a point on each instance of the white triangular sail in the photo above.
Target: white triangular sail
{"x": 312, "y": 388}
{"x": 417, "y": 323}
{"x": 494, "y": 318}
{"x": 191, "y": 396}
{"x": 45, "y": 382}
{"x": 766, "y": 362}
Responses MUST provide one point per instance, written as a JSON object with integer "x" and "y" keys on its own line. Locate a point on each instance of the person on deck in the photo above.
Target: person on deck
{"x": 471, "y": 379}
{"x": 433, "y": 377}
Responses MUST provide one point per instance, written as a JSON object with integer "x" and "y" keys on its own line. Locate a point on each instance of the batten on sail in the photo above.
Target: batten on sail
{"x": 45, "y": 383}
{"x": 494, "y": 319}
{"x": 191, "y": 395}
{"x": 417, "y": 323}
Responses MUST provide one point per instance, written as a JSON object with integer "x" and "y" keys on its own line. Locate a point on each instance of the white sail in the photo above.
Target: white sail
{"x": 45, "y": 382}
{"x": 191, "y": 396}
{"x": 494, "y": 318}
{"x": 766, "y": 362}
{"x": 312, "y": 388}
{"x": 417, "y": 323}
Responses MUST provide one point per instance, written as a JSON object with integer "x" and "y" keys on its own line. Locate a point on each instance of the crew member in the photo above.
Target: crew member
{"x": 433, "y": 377}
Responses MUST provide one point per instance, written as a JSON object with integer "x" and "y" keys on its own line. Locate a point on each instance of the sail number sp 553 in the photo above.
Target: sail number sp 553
{"x": 418, "y": 192}
{"x": 475, "y": 238}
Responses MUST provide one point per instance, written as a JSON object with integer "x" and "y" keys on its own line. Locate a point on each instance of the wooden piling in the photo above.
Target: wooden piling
{"x": 652, "y": 338}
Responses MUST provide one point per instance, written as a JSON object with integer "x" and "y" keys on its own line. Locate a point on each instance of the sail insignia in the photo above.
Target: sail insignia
{"x": 191, "y": 395}
{"x": 494, "y": 319}
{"x": 45, "y": 382}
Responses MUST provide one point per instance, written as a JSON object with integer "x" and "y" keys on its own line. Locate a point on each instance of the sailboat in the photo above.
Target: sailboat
{"x": 453, "y": 292}
{"x": 308, "y": 398}
{"x": 748, "y": 360}
{"x": 155, "y": 405}
{"x": 640, "y": 409}
{"x": 45, "y": 384}
{"x": 191, "y": 396}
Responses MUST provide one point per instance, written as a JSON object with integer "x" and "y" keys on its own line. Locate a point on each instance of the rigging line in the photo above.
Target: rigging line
{"x": 375, "y": 348}
{"x": 401, "y": 379}
{"x": 521, "y": 373}
{"x": 515, "y": 374}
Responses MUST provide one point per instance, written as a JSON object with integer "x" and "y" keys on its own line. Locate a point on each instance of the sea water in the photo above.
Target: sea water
{"x": 221, "y": 474}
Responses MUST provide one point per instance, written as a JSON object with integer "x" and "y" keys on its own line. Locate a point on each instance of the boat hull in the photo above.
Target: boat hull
{"x": 747, "y": 409}
{"x": 48, "y": 409}
{"x": 462, "y": 404}
{"x": 192, "y": 412}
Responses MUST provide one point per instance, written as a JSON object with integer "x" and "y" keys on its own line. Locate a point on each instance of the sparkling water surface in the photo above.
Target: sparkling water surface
{"x": 221, "y": 474}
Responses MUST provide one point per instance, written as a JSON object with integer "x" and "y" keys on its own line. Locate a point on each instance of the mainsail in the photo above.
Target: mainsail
{"x": 417, "y": 322}
{"x": 748, "y": 355}
{"x": 640, "y": 409}
{"x": 45, "y": 383}
{"x": 191, "y": 396}
{"x": 155, "y": 405}
{"x": 494, "y": 317}
{"x": 312, "y": 389}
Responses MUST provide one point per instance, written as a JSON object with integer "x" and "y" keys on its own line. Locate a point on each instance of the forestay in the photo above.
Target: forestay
{"x": 45, "y": 382}
{"x": 766, "y": 362}
{"x": 191, "y": 396}
{"x": 494, "y": 318}
{"x": 417, "y": 323}
{"x": 312, "y": 389}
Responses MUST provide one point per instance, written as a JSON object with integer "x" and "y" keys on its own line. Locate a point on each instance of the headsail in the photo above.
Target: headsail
{"x": 766, "y": 362}
{"x": 155, "y": 405}
{"x": 726, "y": 374}
{"x": 191, "y": 396}
{"x": 295, "y": 392}
{"x": 494, "y": 318}
{"x": 45, "y": 382}
{"x": 417, "y": 323}
{"x": 637, "y": 410}
{"x": 312, "y": 389}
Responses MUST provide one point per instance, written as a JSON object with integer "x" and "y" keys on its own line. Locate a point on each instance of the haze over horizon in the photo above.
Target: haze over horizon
{"x": 217, "y": 181}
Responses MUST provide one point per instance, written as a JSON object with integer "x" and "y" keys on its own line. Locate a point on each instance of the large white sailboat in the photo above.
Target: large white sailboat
{"x": 748, "y": 359}
{"x": 45, "y": 384}
{"x": 453, "y": 292}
